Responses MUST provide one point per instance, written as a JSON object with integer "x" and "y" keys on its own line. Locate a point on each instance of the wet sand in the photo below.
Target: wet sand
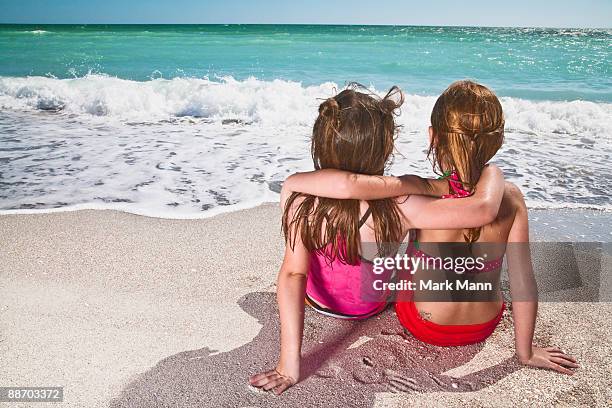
{"x": 130, "y": 311}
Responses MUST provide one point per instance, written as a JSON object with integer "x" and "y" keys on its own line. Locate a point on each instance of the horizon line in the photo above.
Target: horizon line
{"x": 316, "y": 24}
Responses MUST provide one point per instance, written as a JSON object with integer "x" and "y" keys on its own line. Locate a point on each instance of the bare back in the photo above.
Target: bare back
{"x": 460, "y": 313}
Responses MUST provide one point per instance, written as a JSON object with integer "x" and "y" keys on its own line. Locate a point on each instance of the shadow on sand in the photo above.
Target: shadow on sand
{"x": 345, "y": 363}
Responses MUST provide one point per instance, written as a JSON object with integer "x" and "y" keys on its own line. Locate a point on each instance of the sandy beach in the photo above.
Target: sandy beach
{"x": 144, "y": 145}
{"x": 129, "y": 311}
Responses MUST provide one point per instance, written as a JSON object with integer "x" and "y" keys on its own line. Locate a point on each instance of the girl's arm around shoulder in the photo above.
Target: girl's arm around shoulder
{"x": 340, "y": 184}
{"x": 481, "y": 208}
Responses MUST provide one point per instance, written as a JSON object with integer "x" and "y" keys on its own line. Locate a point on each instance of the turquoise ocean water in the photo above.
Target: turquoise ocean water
{"x": 557, "y": 64}
{"x": 182, "y": 120}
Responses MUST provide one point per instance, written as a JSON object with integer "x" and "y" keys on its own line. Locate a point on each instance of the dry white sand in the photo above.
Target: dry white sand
{"x": 101, "y": 301}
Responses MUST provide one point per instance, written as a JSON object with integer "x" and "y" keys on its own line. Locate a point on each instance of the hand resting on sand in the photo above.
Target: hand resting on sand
{"x": 551, "y": 358}
{"x": 275, "y": 380}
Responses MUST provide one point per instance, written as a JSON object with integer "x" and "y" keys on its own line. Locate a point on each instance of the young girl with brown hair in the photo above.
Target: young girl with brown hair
{"x": 467, "y": 129}
{"x": 354, "y": 132}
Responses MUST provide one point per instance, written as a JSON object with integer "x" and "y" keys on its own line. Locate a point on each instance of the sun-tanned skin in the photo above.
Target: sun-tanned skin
{"x": 510, "y": 224}
{"x": 356, "y": 132}
{"x": 473, "y": 211}
{"x": 512, "y": 211}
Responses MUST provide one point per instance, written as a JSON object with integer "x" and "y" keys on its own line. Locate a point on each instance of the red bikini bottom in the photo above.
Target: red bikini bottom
{"x": 444, "y": 335}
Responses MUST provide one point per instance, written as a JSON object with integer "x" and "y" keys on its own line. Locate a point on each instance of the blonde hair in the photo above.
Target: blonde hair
{"x": 468, "y": 129}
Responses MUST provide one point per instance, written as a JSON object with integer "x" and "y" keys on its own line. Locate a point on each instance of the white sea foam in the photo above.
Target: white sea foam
{"x": 187, "y": 147}
{"x": 275, "y": 102}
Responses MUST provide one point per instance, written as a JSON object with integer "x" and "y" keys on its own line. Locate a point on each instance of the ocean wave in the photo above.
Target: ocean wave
{"x": 248, "y": 101}
{"x": 191, "y": 148}
{"x": 254, "y": 101}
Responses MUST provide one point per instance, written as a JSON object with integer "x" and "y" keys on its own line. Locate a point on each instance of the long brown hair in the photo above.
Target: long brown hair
{"x": 355, "y": 131}
{"x": 468, "y": 129}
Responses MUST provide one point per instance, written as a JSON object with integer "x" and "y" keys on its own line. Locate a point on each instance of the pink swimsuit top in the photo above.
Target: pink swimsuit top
{"x": 343, "y": 288}
{"x": 348, "y": 289}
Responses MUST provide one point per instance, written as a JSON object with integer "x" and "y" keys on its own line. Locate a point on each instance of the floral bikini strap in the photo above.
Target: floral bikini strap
{"x": 456, "y": 185}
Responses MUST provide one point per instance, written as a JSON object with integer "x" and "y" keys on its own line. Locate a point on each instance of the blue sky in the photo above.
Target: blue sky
{"x": 538, "y": 13}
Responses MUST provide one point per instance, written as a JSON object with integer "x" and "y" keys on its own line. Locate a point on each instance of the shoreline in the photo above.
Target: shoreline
{"x": 225, "y": 209}
{"x": 170, "y": 215}
{"x": 117, "y": 307}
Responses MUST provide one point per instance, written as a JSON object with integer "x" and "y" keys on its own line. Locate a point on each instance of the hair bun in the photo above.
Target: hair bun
{"x": 329, "y": 108}
{"x": 388, "y": 106}
{"x": 392, "y": 101}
